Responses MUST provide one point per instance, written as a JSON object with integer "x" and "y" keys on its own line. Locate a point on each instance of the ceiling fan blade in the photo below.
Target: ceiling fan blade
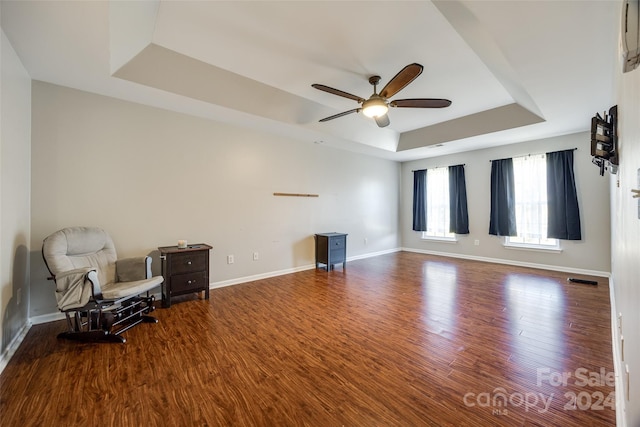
{"x": 400, "y": 80}
{"x": 420, "y": 103}
{"x": 382, "y": 121}
{"x": 337, "y": 92}
{"x": 344, "y": 113}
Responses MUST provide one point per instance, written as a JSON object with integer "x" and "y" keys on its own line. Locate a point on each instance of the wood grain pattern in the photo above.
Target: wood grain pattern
{"x": 395, "y": 340}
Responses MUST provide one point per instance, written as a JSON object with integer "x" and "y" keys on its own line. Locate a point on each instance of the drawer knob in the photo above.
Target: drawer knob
{"x": 188, "y": 262}
{"x": 191, "y": 281}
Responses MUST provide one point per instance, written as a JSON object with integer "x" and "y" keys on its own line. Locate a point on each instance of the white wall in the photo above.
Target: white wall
{"x": 15, "y": 172}
{"x": 591, "y": 254}
{"x": 151, "y": 177}
{"x": 625, "y": 227}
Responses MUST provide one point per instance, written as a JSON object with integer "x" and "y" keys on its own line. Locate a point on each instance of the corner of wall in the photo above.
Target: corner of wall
{"x": 15, "y": 195}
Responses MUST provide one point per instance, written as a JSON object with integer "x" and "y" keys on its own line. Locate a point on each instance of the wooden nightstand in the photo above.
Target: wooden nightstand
{"x": 331, "y": 249}
{"x": 184, "y": 270}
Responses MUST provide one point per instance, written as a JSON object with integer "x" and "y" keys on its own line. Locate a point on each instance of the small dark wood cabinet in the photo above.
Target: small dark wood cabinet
{"x": 331, "y": 249}
{"x": 184, "y": 270}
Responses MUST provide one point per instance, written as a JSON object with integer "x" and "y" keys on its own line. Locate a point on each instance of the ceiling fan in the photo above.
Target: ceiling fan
{"x": 377, "y": 105}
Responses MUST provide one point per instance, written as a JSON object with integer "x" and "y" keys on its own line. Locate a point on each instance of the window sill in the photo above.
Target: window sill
{"x": 439, "y": 239}
{"x": 532, "y": 248}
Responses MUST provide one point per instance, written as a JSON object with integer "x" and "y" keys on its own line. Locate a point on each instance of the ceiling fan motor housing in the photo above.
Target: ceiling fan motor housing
{"x": 375, "y": 106}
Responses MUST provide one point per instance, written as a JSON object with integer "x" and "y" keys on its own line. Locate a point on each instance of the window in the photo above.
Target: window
{"x": 530, "y": 185}
{"x": 438, "y": 205}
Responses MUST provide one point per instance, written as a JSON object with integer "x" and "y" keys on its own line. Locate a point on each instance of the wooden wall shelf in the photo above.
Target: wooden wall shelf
{"x": 296, "y": 194}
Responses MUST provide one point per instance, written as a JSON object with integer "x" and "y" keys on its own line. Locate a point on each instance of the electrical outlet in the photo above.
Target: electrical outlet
{"x": 622, "y": 347}
{"x": 256, "y": 256}
{"x": 620, "y": 323}
{"x": 229, "y": 259}
{"x": 366, "y": 240}
{"x": 476, "y": 242}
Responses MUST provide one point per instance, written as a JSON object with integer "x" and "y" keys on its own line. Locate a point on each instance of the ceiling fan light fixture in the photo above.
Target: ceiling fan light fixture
{"x": 374, "y": 107}
{"x": 377, "y": 105}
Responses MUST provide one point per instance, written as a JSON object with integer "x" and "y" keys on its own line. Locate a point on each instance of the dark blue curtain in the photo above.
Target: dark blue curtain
{"x": 458, "y": 214}
{"x": 420, "y": 200}
{"x": 503, "y": 213}
{"x": 562, "y": 198}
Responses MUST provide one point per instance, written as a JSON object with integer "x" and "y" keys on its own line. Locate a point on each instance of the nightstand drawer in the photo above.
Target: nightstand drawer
{"x": 337, "y": 255}
{"x": 338, "y": 242}
{"x": 188, "y": 262}
{"x": 188, "y": 281}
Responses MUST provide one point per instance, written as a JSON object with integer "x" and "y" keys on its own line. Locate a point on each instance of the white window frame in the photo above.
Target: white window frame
{"x": 530, "y": 187}
{"x": 438, "y": 206}
{"x": 515, "y": 242}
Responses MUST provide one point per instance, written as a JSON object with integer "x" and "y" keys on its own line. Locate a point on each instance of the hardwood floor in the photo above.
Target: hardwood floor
{"x": 397, "y": 340}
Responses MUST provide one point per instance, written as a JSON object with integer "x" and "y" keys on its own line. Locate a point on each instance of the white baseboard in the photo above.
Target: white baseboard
{"x": 618, "y": 367}
{"x": 46, "y": 318}
{"x": 596, "y": 273}
{"x": 372, "y": 254}
{"x": 245, "y": 279}
{"x": 13, "y": 346}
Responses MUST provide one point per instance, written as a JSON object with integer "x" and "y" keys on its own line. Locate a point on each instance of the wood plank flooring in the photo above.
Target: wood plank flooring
{"x": 402, "y": 339}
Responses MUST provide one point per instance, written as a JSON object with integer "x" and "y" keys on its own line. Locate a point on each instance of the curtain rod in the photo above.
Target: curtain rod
{"x": 537, "y": 154}
{"x": 435, "y": 167}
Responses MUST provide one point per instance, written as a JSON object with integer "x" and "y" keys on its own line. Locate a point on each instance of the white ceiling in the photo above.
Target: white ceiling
{"x": 514, "y": 70}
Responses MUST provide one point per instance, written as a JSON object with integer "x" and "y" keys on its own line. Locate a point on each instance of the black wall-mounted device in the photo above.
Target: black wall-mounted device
{"x": 604, "y": 140}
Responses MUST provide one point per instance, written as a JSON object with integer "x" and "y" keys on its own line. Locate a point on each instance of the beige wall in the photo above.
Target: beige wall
{"x": 15, "y": 131}
{"x": 625, "y": 227}
{"x": 591, "y": 254}
{"x": 151, "y": 177}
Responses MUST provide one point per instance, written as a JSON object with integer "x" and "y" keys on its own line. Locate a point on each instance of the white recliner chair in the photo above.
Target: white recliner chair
{"x": 100, "y": 295}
